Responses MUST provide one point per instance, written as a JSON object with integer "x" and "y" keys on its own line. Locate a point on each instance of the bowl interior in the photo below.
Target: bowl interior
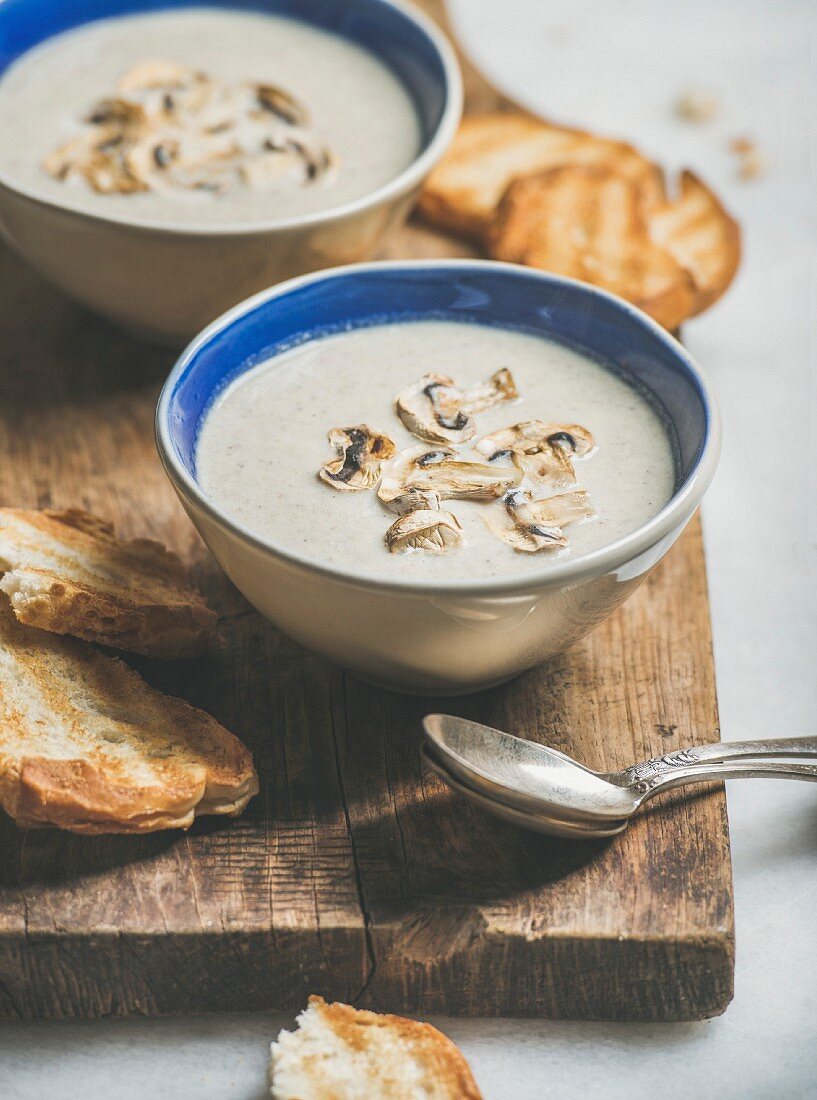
{"x": 374, "y": 24}
{"x": 592, "y": 322}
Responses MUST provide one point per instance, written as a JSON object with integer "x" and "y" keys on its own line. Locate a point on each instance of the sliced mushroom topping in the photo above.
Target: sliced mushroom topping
{"x": 557, "y": 511}
{"x": 122, "y": 113}
{"x": 437, "y": 410}
{"x": 170, "y": 126}
{"x": 281, "y": 104}
{"x": 439, "y": 471}
{"x": 362, "y": 453}
{"x": 427, "y": 529}
{"x": 412, "y": 500}
{"x": 431, "y": 409}
{"x": 499, "y": 388}
{"x": 527, "y": 537}
{"x": 108, "y": 174}
{"x": 543, "y": 451}
{"x": 537, "y": 524}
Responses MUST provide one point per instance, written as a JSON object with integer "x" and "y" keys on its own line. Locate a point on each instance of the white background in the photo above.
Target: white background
{"x": 618, "y": 68}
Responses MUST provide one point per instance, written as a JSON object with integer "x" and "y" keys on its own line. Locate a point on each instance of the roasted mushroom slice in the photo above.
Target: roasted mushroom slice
{"x": 281, "y": 104}
{"x": 437, "y": 410}
{"x": 537, "y": 524}
{"x": 412, "y": 500}
{"x": 362, "y": 453}
{"x": 430, "y": 409}
{"x": 543, "y": 451}
{"x": 427, "y": 529}
{"x": 527, "y": 537}
{"x": 124, "y": 114}
{"x": 499, "y": 388}
{"x": 439, "y": 471}
{"x": 557, "y": 511}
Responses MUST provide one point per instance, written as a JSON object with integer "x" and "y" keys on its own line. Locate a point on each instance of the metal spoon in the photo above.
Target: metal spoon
{"x": 545, "y": 790}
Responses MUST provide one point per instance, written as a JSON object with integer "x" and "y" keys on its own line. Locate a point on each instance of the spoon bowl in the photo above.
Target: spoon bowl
{"x": 542, "y": 789}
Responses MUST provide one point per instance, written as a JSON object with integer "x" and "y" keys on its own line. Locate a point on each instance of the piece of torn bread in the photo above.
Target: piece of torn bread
{"x": 697, "y": 230}
{"x": 68, "y": 573}
{"x": 87, "y": 745}
{"x": 490, "y": 151}
{"x": 588, "y": 223}
{"x": 343, "y": 1053}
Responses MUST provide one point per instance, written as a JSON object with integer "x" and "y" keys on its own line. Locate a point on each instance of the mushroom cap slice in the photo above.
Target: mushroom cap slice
{"x": 544, "y": 451}
{"x": 361, "y": 454}
{"x": 125, "y": 114}
{"x": 437, "y": 410}
{"x": 440, "y": 471}
{"x": 499, "y": 388}
{"x": 556, "y": 511}
{"x": 531, "y": 436}
{"x": 527, "y": 537}
{"x": 430, "y": 409}
{"x": 537, "y": 524}
{"x": 281, "y": 103}
{"x": 426, "y": 529}
{"x": 412, "y": 500}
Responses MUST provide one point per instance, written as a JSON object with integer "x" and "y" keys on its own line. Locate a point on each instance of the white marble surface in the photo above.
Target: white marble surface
{"x": 617, "y": 67}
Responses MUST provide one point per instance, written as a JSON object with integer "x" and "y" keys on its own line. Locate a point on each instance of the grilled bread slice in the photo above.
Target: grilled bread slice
{"x": 87, "y": 745}
{"x": 588, "y": 223}
{"x": 701, "y": 235}
{"x": 68, "y": 573}
{"x": 349, "y": 1054}
{"x": 490, "y": 151}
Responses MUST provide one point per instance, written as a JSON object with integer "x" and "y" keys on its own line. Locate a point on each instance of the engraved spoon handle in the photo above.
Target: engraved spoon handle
{"x": 774, "y": 759}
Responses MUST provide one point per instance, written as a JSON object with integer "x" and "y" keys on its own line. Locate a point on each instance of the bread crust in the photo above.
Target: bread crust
{"x": 409, "y": 1041}
{"x": 88, "y": 746}
{"x": 491, "y": 151}
{"x": 588, "y": 222}
{"x": 67, "y": 572}
{"x": 698, "y": 231}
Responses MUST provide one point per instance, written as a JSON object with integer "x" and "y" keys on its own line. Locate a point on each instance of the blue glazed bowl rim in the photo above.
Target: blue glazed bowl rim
{"x": 673, "y": 516}
{"x": 411, "y": 176}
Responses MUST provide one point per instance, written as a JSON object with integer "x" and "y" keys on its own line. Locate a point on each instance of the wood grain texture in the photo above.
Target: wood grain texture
{"x": 353, "y": 874}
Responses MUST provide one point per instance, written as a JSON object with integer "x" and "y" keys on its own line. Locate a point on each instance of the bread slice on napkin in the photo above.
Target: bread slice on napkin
{"x": 87, "y": 745}
{"x": 67, "y": 572}
{"x": 350, "y": 1054}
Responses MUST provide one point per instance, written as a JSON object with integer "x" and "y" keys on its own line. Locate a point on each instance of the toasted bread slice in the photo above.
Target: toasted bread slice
{"x": 490, "y": 151}
{"x": 587, "y": 222}
{"x": 701, "y": 235}
{"x": 350, "y": 1054}
{"x": 68, "y": 573}
{"x": 87, "y": 745}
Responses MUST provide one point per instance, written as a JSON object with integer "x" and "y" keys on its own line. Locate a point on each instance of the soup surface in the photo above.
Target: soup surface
{"x": 264, "y": 440}
{"x": 354, "y": 107}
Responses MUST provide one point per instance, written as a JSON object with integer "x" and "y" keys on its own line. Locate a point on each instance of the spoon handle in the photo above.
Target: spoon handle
{"x": 781, "y": 759}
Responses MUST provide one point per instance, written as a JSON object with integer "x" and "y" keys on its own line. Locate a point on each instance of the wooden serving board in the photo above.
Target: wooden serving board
{"x": 354, "y": 873}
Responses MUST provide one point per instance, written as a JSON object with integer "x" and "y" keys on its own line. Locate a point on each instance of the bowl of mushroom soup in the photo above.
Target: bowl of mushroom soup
{"x": 437, "y": 473}
{"x": 198, "y": 152}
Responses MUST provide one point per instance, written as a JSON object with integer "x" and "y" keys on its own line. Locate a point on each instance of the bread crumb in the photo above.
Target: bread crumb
{"x": 697, "y": 105}
{"x": 752, "y": 161}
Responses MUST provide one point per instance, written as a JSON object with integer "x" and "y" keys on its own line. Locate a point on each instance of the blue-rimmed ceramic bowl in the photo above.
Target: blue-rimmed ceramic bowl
{"x": 166, "y": 281}
{"x": 463, "y": 635}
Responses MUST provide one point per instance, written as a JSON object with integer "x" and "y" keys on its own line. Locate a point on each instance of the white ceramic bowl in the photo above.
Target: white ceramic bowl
{"x": 463, "y": 635}
{"x": 165, "y": 282}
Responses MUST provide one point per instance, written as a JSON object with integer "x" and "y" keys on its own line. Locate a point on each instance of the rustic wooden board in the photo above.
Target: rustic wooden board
{"x": 353, "y": 874}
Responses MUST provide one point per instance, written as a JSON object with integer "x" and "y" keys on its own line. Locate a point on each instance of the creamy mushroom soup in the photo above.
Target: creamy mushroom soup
{"x": 203, "y": 115}
{"x": 434, "y": 451}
